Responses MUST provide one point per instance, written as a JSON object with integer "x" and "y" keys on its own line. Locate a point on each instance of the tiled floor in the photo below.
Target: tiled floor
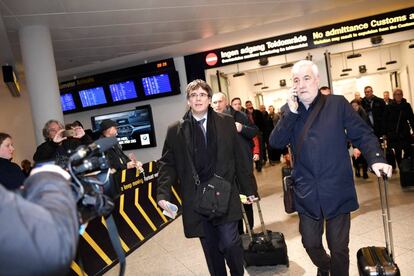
{"x": 169, "y": 253}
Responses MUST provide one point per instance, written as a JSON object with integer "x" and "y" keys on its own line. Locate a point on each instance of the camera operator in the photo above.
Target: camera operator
{"x": 39, "y": 232}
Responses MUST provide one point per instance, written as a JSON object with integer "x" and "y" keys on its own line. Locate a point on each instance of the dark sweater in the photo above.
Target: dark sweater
{"x": 11, "y": 176}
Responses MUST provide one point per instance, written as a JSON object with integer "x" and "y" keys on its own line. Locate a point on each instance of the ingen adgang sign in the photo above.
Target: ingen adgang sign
{"x": 381, "y": 24}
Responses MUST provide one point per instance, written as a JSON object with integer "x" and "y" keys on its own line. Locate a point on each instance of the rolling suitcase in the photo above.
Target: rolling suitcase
{"x": 374, "y": 260}
{"x": 267, "y": 248}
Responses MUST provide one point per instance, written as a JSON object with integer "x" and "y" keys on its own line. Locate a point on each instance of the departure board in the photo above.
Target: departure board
{"x": 93, "y": 96}
{"x": 123, "y": 91}
{"x": 156, "y": 84}
{"x": 67, "y": 102}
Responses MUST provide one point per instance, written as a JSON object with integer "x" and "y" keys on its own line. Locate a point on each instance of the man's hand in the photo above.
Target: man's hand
{"x": 79, "y": 132}
{"x": 168, "y": 207}
{"x": 292, "y": 100}
{"x": 382, "y": 167}
{"x": 256, "y": 157}
{"x": 239, "y": 126}
{"x": 248, "y": 199}
{"x": 357, "y": 153}
{"x": 59, "y": 137}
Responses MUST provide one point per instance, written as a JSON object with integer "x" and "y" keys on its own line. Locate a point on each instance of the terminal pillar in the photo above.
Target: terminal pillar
{"x": 41, "y": 77}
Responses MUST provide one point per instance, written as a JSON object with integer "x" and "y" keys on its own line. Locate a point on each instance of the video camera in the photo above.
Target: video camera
{"x": 92, "y": 181}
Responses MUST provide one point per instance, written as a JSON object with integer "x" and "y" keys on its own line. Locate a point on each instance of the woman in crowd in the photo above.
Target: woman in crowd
{"x": 11, "y": 176}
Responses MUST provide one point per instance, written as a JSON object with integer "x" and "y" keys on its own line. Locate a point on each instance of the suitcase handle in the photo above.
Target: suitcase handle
{"x": 386, "y": 216}
{"x": 249, "y": 231}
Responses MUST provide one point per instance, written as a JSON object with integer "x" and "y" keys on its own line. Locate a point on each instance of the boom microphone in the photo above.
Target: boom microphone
{"x": 100, "y": 145}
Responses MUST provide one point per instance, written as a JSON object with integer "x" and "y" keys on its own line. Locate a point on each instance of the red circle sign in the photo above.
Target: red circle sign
{"x": 211, "y": 59}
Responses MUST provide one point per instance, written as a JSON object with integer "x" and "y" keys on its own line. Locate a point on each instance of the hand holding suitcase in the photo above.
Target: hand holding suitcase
{"x": 265, "y": 248}
{"x": 374, "y": 260}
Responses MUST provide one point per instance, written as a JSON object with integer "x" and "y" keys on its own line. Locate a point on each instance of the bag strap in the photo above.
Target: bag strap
{"x": 193, "y": 170}
{"x": 318, "y": 107}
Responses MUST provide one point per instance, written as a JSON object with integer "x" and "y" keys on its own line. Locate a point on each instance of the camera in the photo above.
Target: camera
{"x": 92, "y": 182}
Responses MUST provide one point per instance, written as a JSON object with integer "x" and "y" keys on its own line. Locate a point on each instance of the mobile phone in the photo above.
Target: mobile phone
{"x": 295, "y": 95}
{"x": 69, "y": 133}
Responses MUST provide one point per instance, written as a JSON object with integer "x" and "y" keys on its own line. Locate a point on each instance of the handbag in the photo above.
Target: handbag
{"x": 288, "y": 181}
{"x": 212, "y": 197}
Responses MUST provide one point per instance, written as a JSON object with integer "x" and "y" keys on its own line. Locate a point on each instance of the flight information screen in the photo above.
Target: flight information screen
{"x": 123, "y": 91}
{"x": 93, "y": 96}
{"x": 156, "y": 84}
{"x": 67, "y": 102}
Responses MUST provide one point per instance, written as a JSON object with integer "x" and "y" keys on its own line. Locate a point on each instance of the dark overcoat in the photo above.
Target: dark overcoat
{"x": 174, "y": 166}
{"x": 324, "y": 184}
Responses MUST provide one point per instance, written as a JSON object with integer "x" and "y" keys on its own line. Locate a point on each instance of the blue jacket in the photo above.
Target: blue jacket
{"x": 324, "y": 184}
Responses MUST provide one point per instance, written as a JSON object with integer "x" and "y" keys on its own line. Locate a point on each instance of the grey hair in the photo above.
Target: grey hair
{"x": 302, "y": 63}
{"x": 45, "y": 130}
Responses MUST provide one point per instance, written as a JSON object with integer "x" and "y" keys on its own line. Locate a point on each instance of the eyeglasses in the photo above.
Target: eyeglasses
{"x": 200, "y": 95}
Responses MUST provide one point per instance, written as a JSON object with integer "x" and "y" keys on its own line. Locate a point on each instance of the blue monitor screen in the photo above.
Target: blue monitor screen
{"x": 156, "y": 84}
{"x": 67, "y": 102}
{"x": 93, "y": 96}
{"x": 123, "y": 91}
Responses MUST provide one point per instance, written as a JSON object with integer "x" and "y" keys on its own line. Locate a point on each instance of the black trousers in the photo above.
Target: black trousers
{"x": 337, "y": 235}
{"x": 222, "y": 244}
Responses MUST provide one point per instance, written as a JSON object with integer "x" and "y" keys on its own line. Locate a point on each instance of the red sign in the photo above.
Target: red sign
{"x": 211, "y": 59}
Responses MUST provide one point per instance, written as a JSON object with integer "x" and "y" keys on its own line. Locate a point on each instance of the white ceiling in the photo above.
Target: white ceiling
{"x": 90, "y": 32}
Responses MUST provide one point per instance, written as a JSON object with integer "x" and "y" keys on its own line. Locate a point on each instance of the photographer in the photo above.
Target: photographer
{"x": 39, "y": 233}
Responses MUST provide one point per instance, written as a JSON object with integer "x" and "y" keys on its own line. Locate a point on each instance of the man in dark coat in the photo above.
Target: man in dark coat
{"x": 324, "y": 186}
{"x": 212, "y": 145}
{"x": 246, "y": 131}
{"x": 398, "y": 124}
{"x": 374, "y": 107}
{"x": 40, "y": 228}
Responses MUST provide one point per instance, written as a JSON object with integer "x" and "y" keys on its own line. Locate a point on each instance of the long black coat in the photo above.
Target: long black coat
{"x": 175, "y": 166}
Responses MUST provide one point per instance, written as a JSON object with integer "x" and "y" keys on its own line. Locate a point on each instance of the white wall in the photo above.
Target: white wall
{"x": 16, "y": 120}
{"x": 165, "y": 111}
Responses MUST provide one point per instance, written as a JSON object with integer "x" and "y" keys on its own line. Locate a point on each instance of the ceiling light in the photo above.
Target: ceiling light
{"x": 287, "y": 64}
{"x": 265, "y": 87}
{"x": 353, "y": 55}
{"x": 381, "y": 68}
{"x": 390, "y": 61}
{"x": 347, "y": 70}
{"x": 380, "y": 58}
{"x": 257, "y": 79}
{"x": 238, "y": 74}
{"x": 344, "y": 74}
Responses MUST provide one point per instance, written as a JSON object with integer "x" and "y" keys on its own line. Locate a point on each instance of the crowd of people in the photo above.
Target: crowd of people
{"x": 222, "y": 137}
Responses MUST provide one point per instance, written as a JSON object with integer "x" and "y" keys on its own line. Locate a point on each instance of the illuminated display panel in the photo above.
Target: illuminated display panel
{"x": 92, "y": 96}
{"x": 156, "y": 84}
{"x": 67, "y": 102}
{"x": 123, "y": 91}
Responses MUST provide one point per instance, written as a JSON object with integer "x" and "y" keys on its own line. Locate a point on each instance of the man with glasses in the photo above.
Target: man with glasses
{"x": 211, "y": 140}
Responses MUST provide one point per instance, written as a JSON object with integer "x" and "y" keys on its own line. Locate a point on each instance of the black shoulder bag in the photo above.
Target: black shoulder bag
{"x": 212, "y": 196}
{"x": 288, "y": 182}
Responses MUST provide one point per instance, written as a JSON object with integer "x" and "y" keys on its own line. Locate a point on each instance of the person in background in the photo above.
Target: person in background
{"x": 387, "y": 99}
{"x": 325, "y": 90}
{"x": 256, "y": 117}
{"x": 11, "y": 176}
{"x": 274, "y": 154}
{"x": 374, "y": 107}
{"x": 358, "y": 160}
{"x": 398, "y": 125}
{"x": 357, "y": 96}
{"x": 236, "y": 104}
{"x": 246, "y": 133}
{"x": 211, "y": 141}
{"x": 56, "y": 144}
{"x": 26, "y": 167}
{"x": 117, "y": 159}
{"x": 324, "y": 189}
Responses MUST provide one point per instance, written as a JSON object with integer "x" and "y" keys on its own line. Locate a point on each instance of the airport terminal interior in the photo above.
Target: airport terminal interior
{"x": 170, "y": 253}
{"x": 130, "y": 61}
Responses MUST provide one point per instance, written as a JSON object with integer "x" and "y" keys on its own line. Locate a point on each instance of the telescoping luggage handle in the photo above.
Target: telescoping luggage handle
{"x": 249, "y": 231}
{"x": 386, "y": 217}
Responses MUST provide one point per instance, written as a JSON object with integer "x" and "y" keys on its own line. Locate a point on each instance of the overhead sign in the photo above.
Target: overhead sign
{"x": 382, "y": 24}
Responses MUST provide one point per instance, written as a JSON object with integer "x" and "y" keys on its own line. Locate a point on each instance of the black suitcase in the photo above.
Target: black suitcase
{"x": 407, "y": 172}
{"x": 374, "y": 260}
{"x": 263, "y": 249}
